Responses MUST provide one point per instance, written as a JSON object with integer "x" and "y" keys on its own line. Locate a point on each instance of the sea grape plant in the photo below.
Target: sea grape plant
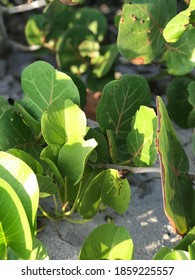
{"x": 53, "y": 139}
{"x": 47, "y": 140}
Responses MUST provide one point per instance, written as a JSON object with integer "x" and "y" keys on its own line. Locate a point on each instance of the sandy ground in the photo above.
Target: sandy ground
{"x": 145, "y": 219}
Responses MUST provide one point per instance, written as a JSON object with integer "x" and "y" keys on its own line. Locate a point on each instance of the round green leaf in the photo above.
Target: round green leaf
{"x": 119, "y": 103}
{"x": 108, "y": 242}
{"x": 14, "y": 226}
{"x": 42, "y": 84}
{"x": 140, "y": 29}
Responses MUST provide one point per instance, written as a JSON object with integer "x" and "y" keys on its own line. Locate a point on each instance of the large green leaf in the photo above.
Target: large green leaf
{"x": 178, "y": 105}
{"x": 182, "y": 53}
{"x": 108, "y": 188}
{"x": 141, "y": 139}
{"x": 108, "y": 242}
{"x": 14, "y": 132}
{"x": 73, "y": 156}
{"x": 140, "y": 36}
{"x": 120, "y": 101}
{"x": 42, "y": 84}
{"x": 176, "y": 185}
{"x": 63, "y": 121}
{"x": 23, "y": 180}
{"x": 14, "y": 226}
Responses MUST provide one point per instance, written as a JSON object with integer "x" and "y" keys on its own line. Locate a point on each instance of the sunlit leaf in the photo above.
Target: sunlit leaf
{"x": 108, "y": 242}
{"x": 141, "y": 139}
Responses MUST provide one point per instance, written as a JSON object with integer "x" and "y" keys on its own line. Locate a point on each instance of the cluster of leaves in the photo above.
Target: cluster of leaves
{"x": 46, "y": 140}
{"x": 75, "y": 36}
{"x": 67, "y": 156}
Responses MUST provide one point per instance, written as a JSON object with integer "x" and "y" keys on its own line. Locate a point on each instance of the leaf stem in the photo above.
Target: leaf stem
{"x": 25, "y": 7}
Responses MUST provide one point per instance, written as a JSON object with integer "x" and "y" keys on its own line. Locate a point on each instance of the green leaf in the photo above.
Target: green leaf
{"x": 191, "y": 250}
{"x": 178, "y": 105}
{"x": 23, "y": 180}
{"x": 141, "y": 139}
{"x": 177, "y": 255}
{"x": 14, "y": 132}
{"x": 63, "y": 121}
{"x": 36, "y": 29}
{"x": 73, "y": 156}
{"x": 191, "y": 100}
{"x": 176, "y": 185}
{"x": 46, "y": 186}
{"x": 186, "y": 241}
{"x": 120, "y": 101}
{"x": 30, "y": 121}
{"x": 177, "y": 26}
{"x": 181, "y": 53}
{"x": 161, "y": 253}
{"x": 68, "y": 53}
{"x": 140, "y": 29}
{"x": 103, "y": 63}
{"x": 94, "y": 20}
{"x": 50, "y": 155}
{"x": 102, "y": 147}
{"x": 42, "y": 84}
{"x": 107, "y": 188}
{"x": 14, "y": 226}
{"x": 108, "y": 242}
{"x": 28, "y": 159}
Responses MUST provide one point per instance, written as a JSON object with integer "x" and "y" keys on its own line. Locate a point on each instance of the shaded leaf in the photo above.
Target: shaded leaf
{"x": 141, "y": 139}
{"x": 181, "y": 53}
{"x": 93, "y": 19}
{"x": 68, "y": 53}
{"x": 191, "y": 100}
{"x": 46, "y": 186}
{"x": 107, "y": 188}
{"x": 178, "y": 105}
{"x": 50, "y": 155}
{"x": 103, "y": 63}
{"x": 120, "y": 101}
{"x": 14, "y": 132}
{"x": 108, "y": 242}
{"x": 176, "y": 185}
{"x": 73, "y": 156}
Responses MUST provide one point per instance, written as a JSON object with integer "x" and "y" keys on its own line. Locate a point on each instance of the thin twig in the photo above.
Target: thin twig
{"x": 128, "y": 168}
{"x": 25, "y": 7}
